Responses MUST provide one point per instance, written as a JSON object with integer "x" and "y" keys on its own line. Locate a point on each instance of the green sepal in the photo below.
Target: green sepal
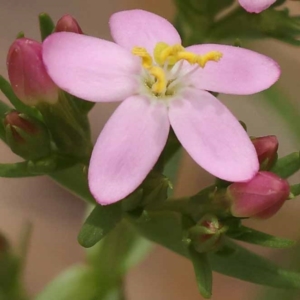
{"x": 29, "y": 145}
{"x": 287, "y": 166}
{"x": 6, "y": 89}
{"x": 241, "y": 263}
{"x": 68, "y": 127}
{"x": 99, "y": 223}
{"x": 132, "y": 201}
{"x": 46, "y": 25}
{"x": 203, "y": 272}
{"x": 20, "y": 35}
{"x": 252, "y": 236}
{"x": 295, "y": 189}
{"x": 155, "y": 189}
{"x": 84, "y": 106}
{"x": 4, "y": 108}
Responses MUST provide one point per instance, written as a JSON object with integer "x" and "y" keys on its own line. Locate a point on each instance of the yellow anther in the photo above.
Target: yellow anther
{"x": 201, "y": 60}
{"x": 164, "y": 53}
{"x": 210, "y": 56}
{"x": 160, "y": 84}
{"x": 145, "y": 56}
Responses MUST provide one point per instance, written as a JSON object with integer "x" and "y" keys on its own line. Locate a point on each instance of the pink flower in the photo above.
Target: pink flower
{"x": 256, "y": 6}
{"x": 166, "y": 88}
{"x": 260, "y": 197}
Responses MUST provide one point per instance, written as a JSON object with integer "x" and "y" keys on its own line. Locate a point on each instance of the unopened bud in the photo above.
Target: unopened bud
{"x": 28, "y": 75}
{"x": 27, "y": 137}
{"x": 207, "y": 234}
{"x": 261, "y": 197}
{"x": 69, "y": 24}
{"x": 266, "y": 148}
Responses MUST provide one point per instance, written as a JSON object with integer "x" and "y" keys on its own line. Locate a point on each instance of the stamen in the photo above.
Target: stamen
{"x": 164, "y": 53}
{"x": 160, "y": 85}
{"x": 147, "y": 61}
{"x": 201, "y": 60}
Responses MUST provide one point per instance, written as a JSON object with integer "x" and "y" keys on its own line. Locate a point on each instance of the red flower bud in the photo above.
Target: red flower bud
{"x": 69, "y": 24}
{"x": 207, "y": 234}
{"x": 266, "y": 148}
{"x": 261, "y": 197}
{"x": 16, "y": 121}
{"x": 27, "y": 73}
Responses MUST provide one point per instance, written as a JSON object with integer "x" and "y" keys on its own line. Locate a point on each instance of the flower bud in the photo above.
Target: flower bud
{"x": 261, "y": 197}
{"x": 69, "y": 24}
{"x": 27, "y": 73}
{"x": 266, "y": 148}
{"x": 207, "y": 234}
{"x": 26, "y": 136}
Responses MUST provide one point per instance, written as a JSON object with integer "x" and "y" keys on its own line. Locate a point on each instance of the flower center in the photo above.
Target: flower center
{"x": 160, "y": 77}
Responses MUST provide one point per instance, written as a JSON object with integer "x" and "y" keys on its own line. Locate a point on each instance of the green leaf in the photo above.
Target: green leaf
{"x": 6, "y": 89}
{"x": 203, "y": 272}
{"x": 74, "y": 180}
{"x": 295, "y": 189}
{"x": 245, "y": 265}
{"x": 20, "y": 35}
{"x": 271, "y": 23}
{"x": 46, "y": 25}
{"x": 77, "y": 283}
{"x": 252, "y": 236}
{"x": 15, "y": 170}
{"x": 118, "y": 252}
{"x": 241, "y": 263}
{"x": 288, "y": 165}
{"x": 100, "y": 222}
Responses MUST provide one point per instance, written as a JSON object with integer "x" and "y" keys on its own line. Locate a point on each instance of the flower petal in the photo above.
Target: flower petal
{"x": 90, "y": 68}
{"x": 256, "y": 6}
{"x": 141, "y": 28}
{"x": 239, "y": 71}
{"x": 127, "y": 148}
{"x": 213, "y": 136}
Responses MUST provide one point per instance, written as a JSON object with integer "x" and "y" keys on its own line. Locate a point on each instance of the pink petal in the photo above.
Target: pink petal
{"x": 239, "y": 71}
{"x": 256, "y": 6}
{"x": 141, "y": 28}
{"x": 213, "y": 136}
{"x": 127, "y": 148}
{"x": 90, "y": 68}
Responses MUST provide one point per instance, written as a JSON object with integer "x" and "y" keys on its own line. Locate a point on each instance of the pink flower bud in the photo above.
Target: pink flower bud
{"x": 261, "y": 197}
{"x": 266, "y": 149}
{"x": 69, "y": 24}
{"x": 27, "y": 73}
{"x": 16, "y": 121}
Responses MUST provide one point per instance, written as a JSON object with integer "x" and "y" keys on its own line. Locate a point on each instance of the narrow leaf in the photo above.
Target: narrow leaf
{"x": 15, "y": 170}
{"x": 203, "y": 272}
{"x": 100, "y": 222}
{"x": 248, "y": 266}
{"x": 288, "y": 165}
{"x": 4, "y": 108}
{"x": 252, "y": 236}
{"x": 241, "y": 263}
{"x": 46, "y": 25}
